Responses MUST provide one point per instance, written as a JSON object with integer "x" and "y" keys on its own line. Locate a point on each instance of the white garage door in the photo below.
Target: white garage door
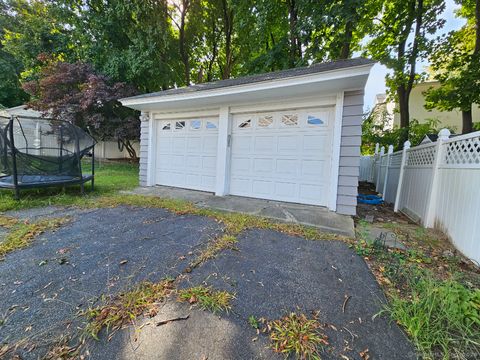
{"x": 283, "y": 155}
{"x": 186, "y": 153}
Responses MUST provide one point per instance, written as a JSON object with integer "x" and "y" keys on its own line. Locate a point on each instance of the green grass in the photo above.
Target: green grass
{"x": 109, "y": 179}
{"x": 207, "y": 298}
{"x": 125, "y": 307}
{"x": 442, "y": 317}
{"x": 22, "y": 234}
{"x": 296, "y": 334}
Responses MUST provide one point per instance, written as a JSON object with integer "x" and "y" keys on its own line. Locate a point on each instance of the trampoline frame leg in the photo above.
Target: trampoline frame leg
{"x": 82, "y": 188}
{"x": 17, "y": 193}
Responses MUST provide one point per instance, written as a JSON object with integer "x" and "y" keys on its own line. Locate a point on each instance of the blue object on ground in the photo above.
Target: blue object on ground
{"x": 370, "y": 199}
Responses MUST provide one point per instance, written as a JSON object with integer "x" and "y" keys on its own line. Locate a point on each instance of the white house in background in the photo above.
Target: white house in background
{"x": 291, "y": 135}
{"x": 383, "y": 111}
{"x": 103, "y": 150}
{"x": 450, "y": 119}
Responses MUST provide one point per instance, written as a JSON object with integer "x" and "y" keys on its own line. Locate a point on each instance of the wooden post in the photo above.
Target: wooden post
{"x": 429, "y": 220}
{"x": 406, "y": 146}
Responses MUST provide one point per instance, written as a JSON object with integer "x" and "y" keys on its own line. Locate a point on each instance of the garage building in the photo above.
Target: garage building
{"x": 291, "y": 135}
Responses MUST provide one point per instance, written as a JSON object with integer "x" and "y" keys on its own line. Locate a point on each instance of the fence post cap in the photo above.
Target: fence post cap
{"x": 390, "y": 149}
{"x": 407, "y": 144}
{"x": 382, "y": 150}
{"x": 444, "y": 134}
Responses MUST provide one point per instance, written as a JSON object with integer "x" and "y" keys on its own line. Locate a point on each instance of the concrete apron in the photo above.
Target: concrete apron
{"x": 316, "y": 216}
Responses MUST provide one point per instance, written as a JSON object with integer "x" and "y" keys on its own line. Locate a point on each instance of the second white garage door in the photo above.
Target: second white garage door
{"x": 186, "y": 154}
{"x": 284, "y": 156}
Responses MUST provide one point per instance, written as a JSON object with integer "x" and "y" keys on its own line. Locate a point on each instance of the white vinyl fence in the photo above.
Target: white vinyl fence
{"x": 437, "y": 185}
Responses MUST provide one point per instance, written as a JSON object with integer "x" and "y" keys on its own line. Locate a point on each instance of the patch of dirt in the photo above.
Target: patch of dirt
{"x": 378, "y": 213}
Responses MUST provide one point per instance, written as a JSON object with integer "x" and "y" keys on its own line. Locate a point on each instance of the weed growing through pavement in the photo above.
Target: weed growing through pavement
{"x": 207, "y": 298}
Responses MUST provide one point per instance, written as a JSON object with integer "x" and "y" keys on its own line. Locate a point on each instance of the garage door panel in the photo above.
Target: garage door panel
{"x": 209, "y": 162}
{"x": 178, "y": 162}
{"x": 285, "y": 190}
{"x": 240, "y": 186}
{"x": 286, "y": 158}
{"x": 288, "y": 144}
{"x": 178, "y": 144}
{"x": 164, "y": 145}
{"x": 242, "y": 144}
{"x": 210, "y": 144}
{"x": 264, "y": 165}
{"x": 186, "y": 153}
{"x": 313, "y": 169}
{"x": 240, "y": 165}
{"x": 311, "y": 193}
{"x": 287, "y": 167}
{"x": 317, "y": 143}
{"x": 262, "y": 188}
{"x": 194, "y": 144}
{"x": 264, "y": 145}
{"x": 194, "y": 161}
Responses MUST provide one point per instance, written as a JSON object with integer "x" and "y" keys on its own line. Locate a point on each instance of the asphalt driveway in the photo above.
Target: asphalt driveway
{"x": 43, "y": 288}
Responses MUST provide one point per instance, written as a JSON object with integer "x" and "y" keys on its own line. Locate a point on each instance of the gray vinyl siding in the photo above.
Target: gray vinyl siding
{"x": 144, "y": 127}
{"x": 350, "y": 153}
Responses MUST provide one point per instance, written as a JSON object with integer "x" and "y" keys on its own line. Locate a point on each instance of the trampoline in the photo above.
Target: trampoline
{"x": 40, "y": 152}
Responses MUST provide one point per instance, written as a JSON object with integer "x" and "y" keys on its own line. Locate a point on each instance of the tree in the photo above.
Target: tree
{"x": 456, "y": 64}
{"x": 11, "y": 93}
{"x": 81, "y": 96}
{"x": 127, "y": 40}
{"x": 400, "y": 38}
{"x": 35, "y": 27}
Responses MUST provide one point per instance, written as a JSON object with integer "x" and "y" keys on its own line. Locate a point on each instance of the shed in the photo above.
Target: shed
{"x": 291, "y": 135}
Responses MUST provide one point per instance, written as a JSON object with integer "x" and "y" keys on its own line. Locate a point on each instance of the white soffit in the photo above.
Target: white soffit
{"x": 318, "y": 84}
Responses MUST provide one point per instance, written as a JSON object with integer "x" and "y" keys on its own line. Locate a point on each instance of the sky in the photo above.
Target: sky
{"x": 376, "y": 81}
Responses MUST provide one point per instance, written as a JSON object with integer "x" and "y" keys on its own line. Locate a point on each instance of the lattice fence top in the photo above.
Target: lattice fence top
{"x": 423, "y": 156}
{"x": 396, "y": 159}
{"x": 463, "y": 152}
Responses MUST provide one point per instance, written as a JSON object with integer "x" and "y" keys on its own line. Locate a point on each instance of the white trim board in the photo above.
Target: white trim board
{"x": 245, "y": 88}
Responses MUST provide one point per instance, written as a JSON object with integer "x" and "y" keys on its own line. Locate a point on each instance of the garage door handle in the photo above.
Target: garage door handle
{"x": 229, "y": 140}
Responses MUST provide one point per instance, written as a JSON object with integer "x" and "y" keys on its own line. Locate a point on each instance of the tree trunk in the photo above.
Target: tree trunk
{"x": 345, "y": 52}
{"x": 295, "y": 45}
{"x": 467, "y": 121}
{"x": 183, "y": 50}
{"x": 228, "y": 29}
{"x": 403, "y": 97}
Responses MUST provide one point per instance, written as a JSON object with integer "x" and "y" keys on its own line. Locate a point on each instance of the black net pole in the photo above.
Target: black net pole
{"x": 14, "y": 160}
{"x": 93, "y": 167}
{"x": 79, "y": 160}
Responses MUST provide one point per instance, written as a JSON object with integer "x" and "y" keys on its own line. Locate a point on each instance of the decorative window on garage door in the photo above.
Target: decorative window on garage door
{"x": 314, "y": 120}
{"x": 166, "y": 125}
{"x": 211, "y": 125}
{"x": 265, "y": 121}
{"x": 290, "y": 119}
{"x": 179, "y": 125}
{"x": 195, "y": 124}
{"x": 245, "y": 124}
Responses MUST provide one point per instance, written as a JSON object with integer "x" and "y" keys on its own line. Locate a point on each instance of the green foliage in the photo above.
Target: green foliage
{"x": 296, "y": 334}
{"x": 402, "y": 36}
{"x": 21, "y": 234}
{"x": 207, "y": 298}
{"x": 455, "y": 63}
{"x": 442, "y": 317}
{"x": 374, "y": 131}
{"x": 126, "y": 307}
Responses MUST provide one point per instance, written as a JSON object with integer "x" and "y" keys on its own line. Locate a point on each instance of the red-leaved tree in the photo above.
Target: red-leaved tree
{"x": 81, "y": 96}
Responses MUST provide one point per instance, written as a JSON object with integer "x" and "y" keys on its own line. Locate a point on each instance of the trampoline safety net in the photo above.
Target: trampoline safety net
{"x": 41, "y": 152}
